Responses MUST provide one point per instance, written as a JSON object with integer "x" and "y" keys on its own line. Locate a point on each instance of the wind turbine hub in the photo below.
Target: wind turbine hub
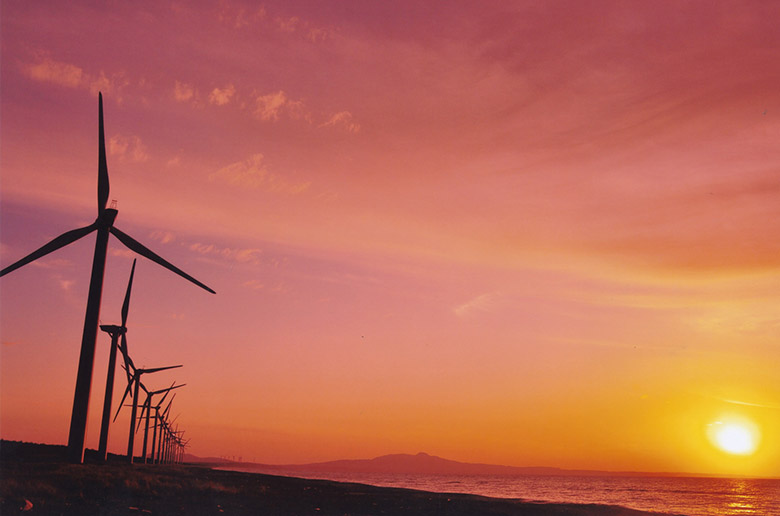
{"x": 107, "y": 217}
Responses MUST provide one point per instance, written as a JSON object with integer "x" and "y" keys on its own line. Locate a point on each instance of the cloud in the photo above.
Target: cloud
{"x": 52, "y": 263}
{"x": 69, "y": 75}
{"x": 57, "y": 72}
{"x": 269, "y": 106}
{"x": 481, "y": 303}
{"x": 220, "y": 97}
{"x": 343, "y": 119}
{"x": 239, "y": 17}
{"x": 287, "y": 24}
{"x": 254, "y": 284}
{"x": 252, "y": 173}
{"x": 273, "y": 105}
{"x": 250, "y": 255}
{"x": 259, "y": 285}
{"x": 121, "y": 251}
{"x": 164, "y": 237}
{"x": 317, "y": 35}
{"x": 183, "y": 92}
{"x": 127, "y": 148}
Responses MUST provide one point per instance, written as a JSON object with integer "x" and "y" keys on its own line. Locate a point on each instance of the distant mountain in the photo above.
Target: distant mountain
{"x": 426, "y": 464}
{"x": 422, "y": 463}
{"x": 218, "y": 461}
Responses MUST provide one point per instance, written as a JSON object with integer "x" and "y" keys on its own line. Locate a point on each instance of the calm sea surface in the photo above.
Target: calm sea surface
{"x": 688, "y": 496}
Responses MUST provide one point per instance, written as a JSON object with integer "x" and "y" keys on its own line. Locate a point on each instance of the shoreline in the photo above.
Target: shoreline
{"x": 35, "y": 476}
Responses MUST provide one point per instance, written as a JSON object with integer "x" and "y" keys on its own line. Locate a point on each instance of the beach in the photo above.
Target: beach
{"x": 36, "y": 478}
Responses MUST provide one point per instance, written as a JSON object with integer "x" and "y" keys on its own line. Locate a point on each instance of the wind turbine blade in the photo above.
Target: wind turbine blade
{"x": 139, "y": 248}
{"x": 103, "y": 187}
{"x": 165, "y": 412}
{"x": 146, "y": 405}
{"x": 143, "y": 410}
{"x": 126, "y": 304}
{"x": 128, "y": 361}
{"x": 124, "y": 396}
{"x": 61, "y": 241}
{"x": 156, "y": 369}
{"x": 168, "y": 390}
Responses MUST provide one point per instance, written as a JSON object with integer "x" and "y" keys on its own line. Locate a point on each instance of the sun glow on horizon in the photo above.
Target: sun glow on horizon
{"x": 735, "y": 437}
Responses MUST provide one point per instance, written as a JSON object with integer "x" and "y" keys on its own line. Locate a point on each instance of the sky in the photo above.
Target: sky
{"x": 522, "y": 233}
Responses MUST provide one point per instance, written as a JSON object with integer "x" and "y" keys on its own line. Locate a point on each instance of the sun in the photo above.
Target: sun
{"x": 735, "y": 438}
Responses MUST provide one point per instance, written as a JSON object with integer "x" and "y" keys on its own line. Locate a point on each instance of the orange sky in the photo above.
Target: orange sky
{"x": 520, "y": 233}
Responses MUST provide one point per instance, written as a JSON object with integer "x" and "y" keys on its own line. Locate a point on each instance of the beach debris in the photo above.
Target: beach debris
{"x": 28, "y": 505}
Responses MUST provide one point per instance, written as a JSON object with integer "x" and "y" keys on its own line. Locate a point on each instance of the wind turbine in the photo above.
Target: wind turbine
{"x": 104, "y": 224}
{"x": 162, "y": 425}
{"x": 115, "y": 332}
{"x": 147, "y": 407}
{"x": 135, "y": 385}
{"x": 157, "y": 428}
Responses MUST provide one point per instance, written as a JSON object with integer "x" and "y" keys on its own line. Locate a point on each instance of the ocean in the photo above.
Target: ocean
{"x": 671, "y": 495}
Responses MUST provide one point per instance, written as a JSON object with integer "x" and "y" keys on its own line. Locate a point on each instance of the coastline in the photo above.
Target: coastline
{"x": 34, "y": 476}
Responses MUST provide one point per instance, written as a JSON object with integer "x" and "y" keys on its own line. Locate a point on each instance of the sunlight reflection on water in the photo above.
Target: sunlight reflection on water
{"x": 688, "y": 496}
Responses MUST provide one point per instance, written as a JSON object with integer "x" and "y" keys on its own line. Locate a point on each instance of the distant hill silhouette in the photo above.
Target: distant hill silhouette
{"x": 421, "y": 463}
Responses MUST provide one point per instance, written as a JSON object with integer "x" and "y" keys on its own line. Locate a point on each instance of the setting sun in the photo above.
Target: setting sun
{"x": 736, "y": 438}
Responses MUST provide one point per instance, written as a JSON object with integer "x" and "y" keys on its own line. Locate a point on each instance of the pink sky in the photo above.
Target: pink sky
{"x": 520, "y": 233}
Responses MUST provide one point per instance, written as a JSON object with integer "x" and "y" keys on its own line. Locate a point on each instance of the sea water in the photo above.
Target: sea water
{"x": 671, "y": 495}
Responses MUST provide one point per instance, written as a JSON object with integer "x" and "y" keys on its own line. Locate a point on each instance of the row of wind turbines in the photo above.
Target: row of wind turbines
{"x": 163, "y": 448}
{"x": 167, "y": 441}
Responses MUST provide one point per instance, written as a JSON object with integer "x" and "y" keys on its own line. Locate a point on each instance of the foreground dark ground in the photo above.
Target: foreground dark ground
{"x": 36, "y": 478}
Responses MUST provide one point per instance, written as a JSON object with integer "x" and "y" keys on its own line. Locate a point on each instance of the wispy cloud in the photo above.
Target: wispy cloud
{"x": 239, "y": 17}
{"x": 46, "y": 69}
{"x": 129, "y": 148}
{"x": 222, "y": 96}
{"x": 254, "y": 284}
{"x": 343, "y": 119}
{"x": 183, "y": 92}
{"x": 287, "y": 24}
{"x": 121, "y": 251}
{"x": 270, "y": 106}
{"x": 52, "y": 263}
{"x": 164, "y": 237}
{"x": 773, "y": 406}
{"x": 482, "y": 303}
{"x": 252, "y": 173}
{"x": 249, "y": 255}
{"x": 317, "y": 35}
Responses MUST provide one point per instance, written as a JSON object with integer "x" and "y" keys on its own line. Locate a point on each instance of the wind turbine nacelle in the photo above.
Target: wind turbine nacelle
{"x": 113, "y": 329}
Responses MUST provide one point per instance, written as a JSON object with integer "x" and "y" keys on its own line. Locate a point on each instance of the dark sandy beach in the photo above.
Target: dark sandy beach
{"x": 36, "y": 478}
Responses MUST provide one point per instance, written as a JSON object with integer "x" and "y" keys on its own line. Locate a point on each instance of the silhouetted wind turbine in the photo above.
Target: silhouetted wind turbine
{"x": 147, "y": 407}
{"x": 115, "y": 332}
{"x": 136, "y": 385}
{"x": 157, "y": 428}
{"x": 162, "y": 423}
{"x": 104, "y": 224}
